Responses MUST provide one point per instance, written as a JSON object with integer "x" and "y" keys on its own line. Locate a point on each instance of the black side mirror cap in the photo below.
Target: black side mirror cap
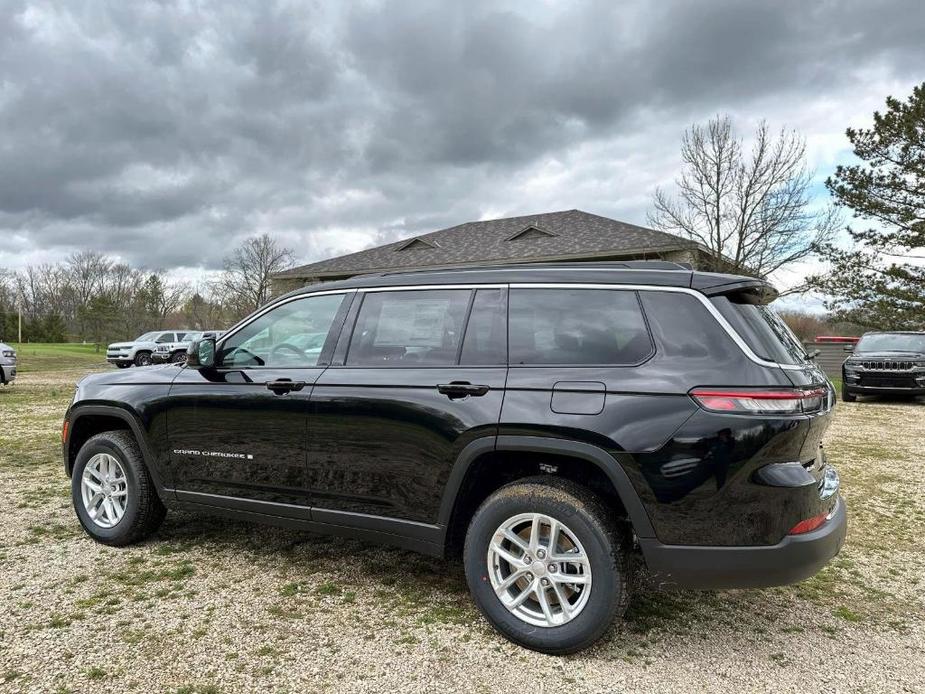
{"x": 848, "y": 348}
{"x": 201, "y": 354}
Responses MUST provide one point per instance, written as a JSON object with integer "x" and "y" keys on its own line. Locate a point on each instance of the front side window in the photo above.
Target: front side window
{"x": 409, "y": 328}
{"x": 577, "y": 326}
{"x": 290, "y": 335}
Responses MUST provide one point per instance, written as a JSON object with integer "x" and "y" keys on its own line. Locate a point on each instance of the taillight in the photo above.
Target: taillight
{"x": 760, "y": 400}
{"x": 808, "y": 525}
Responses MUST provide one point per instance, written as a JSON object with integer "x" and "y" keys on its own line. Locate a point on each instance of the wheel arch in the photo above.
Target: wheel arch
{"x": 87, "y": 421}
{"x": 512, "y": 457}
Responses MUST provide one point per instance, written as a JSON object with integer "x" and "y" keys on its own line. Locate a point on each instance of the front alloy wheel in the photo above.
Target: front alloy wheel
{"x": 539, "y": 570}
{"x": 104, "y": 490}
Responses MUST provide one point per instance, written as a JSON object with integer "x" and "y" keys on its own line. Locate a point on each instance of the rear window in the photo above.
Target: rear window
{"x": 577, "y": 326}
{"x": 761, "y": 329}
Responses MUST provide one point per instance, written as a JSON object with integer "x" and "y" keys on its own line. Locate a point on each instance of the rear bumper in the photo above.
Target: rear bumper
{"x": 793, "y": 559}
{"x": 161, "y": 357}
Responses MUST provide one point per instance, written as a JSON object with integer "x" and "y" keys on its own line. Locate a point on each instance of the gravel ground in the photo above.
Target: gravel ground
{"x": 210, "y": 605}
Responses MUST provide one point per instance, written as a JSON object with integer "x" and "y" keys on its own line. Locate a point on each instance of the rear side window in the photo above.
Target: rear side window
{"x": 577, "y": 326}
{"x": 409, "y": 328}
{"x": 761, "y": 329}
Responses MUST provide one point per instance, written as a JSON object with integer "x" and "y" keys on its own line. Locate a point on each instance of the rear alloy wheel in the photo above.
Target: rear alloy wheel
{"x": 178, "y": 358}
{"x": 547, "y": 564}
{"x": 143, "y": 359}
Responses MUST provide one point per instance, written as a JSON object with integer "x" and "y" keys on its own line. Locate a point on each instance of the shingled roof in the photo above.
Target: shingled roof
{"x": 571, "y": 234}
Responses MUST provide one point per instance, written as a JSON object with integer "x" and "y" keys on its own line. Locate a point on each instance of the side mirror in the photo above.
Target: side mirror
{"x": 201, "y": 354}
{"x": 848, "y": 348}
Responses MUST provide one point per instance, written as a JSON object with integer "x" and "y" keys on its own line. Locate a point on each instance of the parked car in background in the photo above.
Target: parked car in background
{"x": 7, "y": 364}
{"x": 555, "y": 424}
{"x": 139, "y": 350}
{"x": 885, "y": 363}
{"x": 175, "y": 352}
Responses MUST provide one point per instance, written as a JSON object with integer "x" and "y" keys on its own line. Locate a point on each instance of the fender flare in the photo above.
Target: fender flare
{"x": 135, "y": 427}
{"x": 642, "y": 525}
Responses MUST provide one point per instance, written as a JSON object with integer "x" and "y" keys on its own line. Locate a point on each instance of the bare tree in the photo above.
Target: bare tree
{"x": 245, "y": 282}
{"x": 751, "y": 211}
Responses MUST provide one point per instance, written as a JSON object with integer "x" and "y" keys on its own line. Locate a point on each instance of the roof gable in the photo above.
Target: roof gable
{"x": 415, "y": 243}
{"x": 530, "y": 231}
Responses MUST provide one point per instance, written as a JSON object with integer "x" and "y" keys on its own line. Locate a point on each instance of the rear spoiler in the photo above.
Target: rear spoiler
{"x": 746, "y": 290}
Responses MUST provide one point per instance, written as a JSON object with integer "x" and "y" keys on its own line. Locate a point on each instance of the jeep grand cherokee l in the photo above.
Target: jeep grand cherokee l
{"x": 556, "y": 423}
{"x": 885, "y": 363}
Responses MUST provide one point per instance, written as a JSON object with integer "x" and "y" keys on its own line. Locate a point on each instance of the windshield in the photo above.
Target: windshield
{"x": 147, "y": 337}
{"x": 892, "y": 342}
{"x": 762, "y": 329}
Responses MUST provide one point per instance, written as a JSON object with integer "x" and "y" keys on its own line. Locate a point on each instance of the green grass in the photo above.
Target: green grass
{"x": 36, "y": 357}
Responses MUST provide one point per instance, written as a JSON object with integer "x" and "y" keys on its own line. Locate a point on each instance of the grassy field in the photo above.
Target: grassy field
{"x": 41, "y": 356}
{"x": 209, "y": 605}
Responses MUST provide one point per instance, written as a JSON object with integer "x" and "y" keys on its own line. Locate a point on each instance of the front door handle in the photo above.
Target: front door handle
{"x": 284, "y": 385}
{"x": 461, "y": 389}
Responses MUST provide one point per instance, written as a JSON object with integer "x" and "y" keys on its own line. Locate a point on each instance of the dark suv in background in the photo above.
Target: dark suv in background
{"x": 885, "y": 363}
{"x": 554, "y": 423}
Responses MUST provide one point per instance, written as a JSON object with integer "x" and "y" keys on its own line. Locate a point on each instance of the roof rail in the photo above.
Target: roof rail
{"x": 603, "y": 264}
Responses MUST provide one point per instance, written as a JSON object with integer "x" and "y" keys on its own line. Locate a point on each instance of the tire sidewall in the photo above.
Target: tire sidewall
{"x": 606, "y": 589}
{"x": 143, "y": 359}
{"x": 125, "y": 525}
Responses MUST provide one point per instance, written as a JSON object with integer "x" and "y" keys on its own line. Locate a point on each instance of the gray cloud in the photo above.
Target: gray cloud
{"x": 164, "y": 132}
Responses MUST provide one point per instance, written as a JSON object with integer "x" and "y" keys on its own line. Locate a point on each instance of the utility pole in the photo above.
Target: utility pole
{"x": 20, "y": 320}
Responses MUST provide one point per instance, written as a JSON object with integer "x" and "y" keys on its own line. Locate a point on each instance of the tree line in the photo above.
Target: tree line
{"x": 751, "y": 210}
{"x": 95, "y": 298}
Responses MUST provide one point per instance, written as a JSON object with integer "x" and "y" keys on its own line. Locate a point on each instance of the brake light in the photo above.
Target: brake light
{"x": 759, "y": 400}
{"x": 808, "y": 525}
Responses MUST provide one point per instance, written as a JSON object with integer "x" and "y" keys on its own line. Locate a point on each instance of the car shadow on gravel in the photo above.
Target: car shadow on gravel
{"x": 433, "y": 590}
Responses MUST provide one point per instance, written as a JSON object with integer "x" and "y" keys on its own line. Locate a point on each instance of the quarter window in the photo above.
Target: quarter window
{"x": 577, "y": 326}
{"x": 290, "y": 335}
{"x": 409, "y": 328}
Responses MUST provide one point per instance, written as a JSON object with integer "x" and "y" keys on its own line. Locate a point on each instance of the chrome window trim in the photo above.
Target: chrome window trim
{"x": 711, "y": 309}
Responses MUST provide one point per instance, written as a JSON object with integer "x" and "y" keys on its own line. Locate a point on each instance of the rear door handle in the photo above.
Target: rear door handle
{"x": 284, "y": 385}
{"x": 461, "y": 389}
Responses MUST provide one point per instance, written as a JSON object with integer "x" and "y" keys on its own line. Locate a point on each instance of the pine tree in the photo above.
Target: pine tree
{"x": 880, "y": 282}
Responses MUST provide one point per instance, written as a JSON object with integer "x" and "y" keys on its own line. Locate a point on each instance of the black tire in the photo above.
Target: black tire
{"x": 123, "y": 365}
{"x": 846, "y": 396}
{"x": 598, "y": 531}
{"x": 143, "y": 359}
{"x": 144, "y": 510}
{"x": 178, "y": 358}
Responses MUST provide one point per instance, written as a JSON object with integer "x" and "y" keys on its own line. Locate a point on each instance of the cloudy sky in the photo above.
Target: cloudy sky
{"x": 166, "y": 132}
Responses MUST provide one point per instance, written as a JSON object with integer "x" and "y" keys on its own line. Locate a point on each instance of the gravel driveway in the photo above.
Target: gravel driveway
{"x": 216, "y": 606}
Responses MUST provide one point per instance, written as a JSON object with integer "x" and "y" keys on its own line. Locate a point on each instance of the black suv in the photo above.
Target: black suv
{"x": 885, "y": 363}
{"x": 555, "y": 423}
